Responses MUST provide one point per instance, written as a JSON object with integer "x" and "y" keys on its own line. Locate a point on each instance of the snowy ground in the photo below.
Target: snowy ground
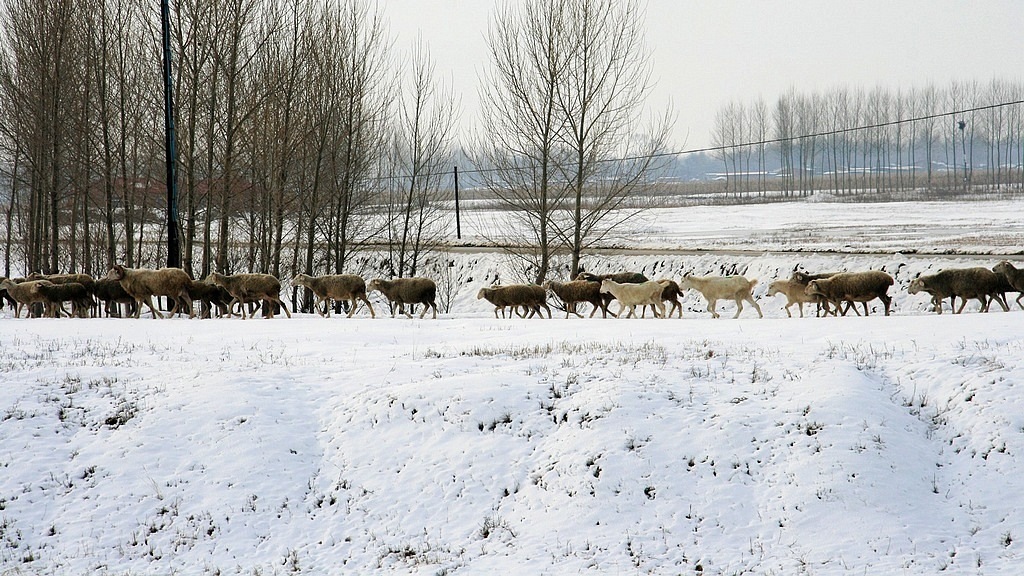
{"x": 469, "y": 445}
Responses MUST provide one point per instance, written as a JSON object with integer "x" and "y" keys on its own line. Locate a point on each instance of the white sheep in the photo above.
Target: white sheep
{"x": 347, "y": 287}
{"x": 715, "y": 288}
{"x": 633, "y": 295}
{"x": 795, "y": 292}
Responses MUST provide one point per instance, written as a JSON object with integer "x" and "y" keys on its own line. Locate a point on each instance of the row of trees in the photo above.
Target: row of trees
{"x": 965, "y": 134}
{"x": 302, "y": 134}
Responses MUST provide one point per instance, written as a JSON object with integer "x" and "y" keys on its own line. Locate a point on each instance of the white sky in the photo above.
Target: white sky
{"x": 707, "y": 53}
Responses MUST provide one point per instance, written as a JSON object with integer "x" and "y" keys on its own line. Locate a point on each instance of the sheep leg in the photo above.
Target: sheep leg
{"x": 545, "y": 306}
{"x": 188, "y": 301}
{"x": 750, "y": 298}
{"x": 1001, "y": 298}
{"x": 963, "y": 303}
{"x": 739, "y": 307}
{"x": 149, "y": 302}
{"x": 1019, "y": 302}
{"x": 174, "y": 308}
{"x": 368, "y": 305}
{"x": 865, "y": 308}
{"x": 711, "y": 308}
{"x": 661, "y": 308}
{"x": 283, "y": 306}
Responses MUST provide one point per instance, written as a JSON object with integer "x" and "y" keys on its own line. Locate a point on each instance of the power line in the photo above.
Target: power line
{"x": 828, "y": 133}
{"x": 835, "y": 132}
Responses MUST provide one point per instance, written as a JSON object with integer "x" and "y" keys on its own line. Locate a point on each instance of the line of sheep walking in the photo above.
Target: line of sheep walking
{"x": 834, "y": 293}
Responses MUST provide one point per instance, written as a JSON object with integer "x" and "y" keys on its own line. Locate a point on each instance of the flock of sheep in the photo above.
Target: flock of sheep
{"x": 218, "y": 294}
{"x": 832, "y": 293}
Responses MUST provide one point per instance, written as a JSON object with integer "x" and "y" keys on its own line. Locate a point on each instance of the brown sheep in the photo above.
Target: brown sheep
{"x": 964, "y": 283}
{"x": 619, "y": 277}
{"x": 402, "y": 291}
{"x": 210, "y": 296}
{"x": 670, "y": 293}
{"x": 529, "y": 296}
{"x": 24, "y": 293}
{"x": 580, "y": 291}
{"x": 250, "y": 288}
{"x": 142, "y": 284}
{"x": 1014, "y": 277}
{"x": 347, "y": 287}
{"x": 112, "y": 294}
{"x": 56, "y": 294}
{"x": 850, "y": 287}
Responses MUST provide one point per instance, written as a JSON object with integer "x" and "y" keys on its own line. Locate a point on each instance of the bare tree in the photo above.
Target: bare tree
{"x": 421, "y": 153}
{"x": 601, "y": 95}
{"x": 521, "y": 125}
{"x": 565, "y": 96}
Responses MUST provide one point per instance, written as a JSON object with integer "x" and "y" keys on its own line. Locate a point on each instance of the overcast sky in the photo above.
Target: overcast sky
{"x": 707, "y": 53}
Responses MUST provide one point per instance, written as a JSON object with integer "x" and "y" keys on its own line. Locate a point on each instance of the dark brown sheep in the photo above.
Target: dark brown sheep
{"x": 411, "y": 291}
{"x": 850, "y": 287}
{"x": 965, "y": 283}
{"x": 251, "y": 288}
{"x": 575, "y": 291}
{"x": 529, "y": 296}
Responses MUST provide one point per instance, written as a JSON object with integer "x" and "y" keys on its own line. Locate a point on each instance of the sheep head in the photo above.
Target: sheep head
{"x": 116, "y": 273}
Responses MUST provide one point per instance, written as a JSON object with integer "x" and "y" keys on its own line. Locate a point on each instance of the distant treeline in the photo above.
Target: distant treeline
{"x": 849, "y": 141}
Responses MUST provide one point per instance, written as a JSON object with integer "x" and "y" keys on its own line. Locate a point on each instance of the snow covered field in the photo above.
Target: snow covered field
{"x": 469, "y": 445}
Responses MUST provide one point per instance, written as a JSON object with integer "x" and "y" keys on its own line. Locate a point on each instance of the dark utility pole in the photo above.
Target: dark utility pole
{"x": 458, "y": 224}
{"x": 173, "y": 242}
